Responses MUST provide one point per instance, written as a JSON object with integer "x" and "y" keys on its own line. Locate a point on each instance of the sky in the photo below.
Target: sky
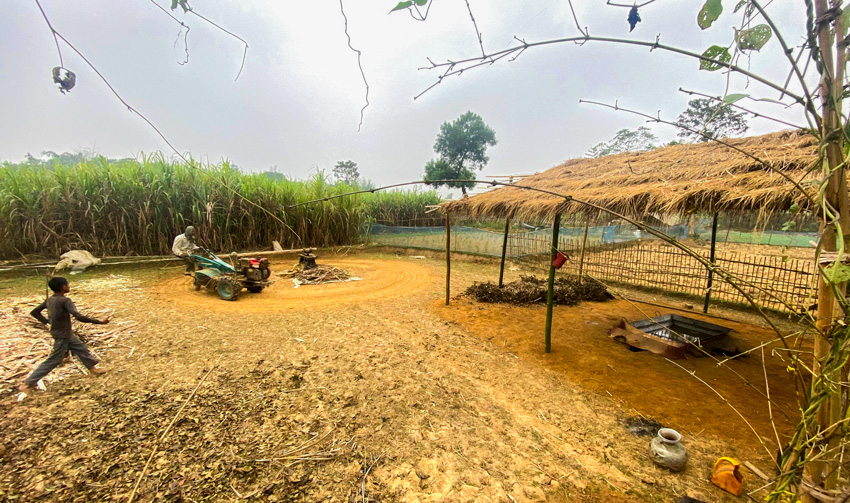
{"x": 296, "y": 105}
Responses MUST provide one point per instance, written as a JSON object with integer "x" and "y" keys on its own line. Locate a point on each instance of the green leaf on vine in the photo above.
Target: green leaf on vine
{"x": 709, "y": 13}
{"x": 837, "y": 272}
{"x": 420, "y": 2}
{"x": 740, "y": 4}
{"x": 717, "y": 52}
{"x": 753, "y": 39}
{"x": 732, "y": 98}
{"x": 403, "y": 5}
{"x": 794, "y": 208}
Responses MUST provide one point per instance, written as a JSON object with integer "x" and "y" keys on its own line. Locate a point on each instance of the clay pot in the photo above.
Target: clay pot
{"x": 667, "y": 450}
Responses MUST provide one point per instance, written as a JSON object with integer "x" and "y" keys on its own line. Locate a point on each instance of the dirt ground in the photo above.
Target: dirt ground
{"x": 373, "y": 390}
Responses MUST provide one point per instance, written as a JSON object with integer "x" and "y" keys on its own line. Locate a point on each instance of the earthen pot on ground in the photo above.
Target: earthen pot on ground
{"x": 667, "y": 450}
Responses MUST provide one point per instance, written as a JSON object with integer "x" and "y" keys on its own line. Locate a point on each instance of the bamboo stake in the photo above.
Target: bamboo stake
{"x": 448, "y": 256}
{"x": 583, "y": 246}
{"x": 836, "y": 197}
{"x": 550, "y": 296}
{"x": 711, "y": 259}
{"x": 504, "y": 251}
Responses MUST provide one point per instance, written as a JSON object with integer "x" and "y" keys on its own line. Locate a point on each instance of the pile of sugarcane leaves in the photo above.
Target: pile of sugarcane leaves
{"x": 257, "y": 434}
{"x": 317, "y": 275}
{"x": 530, "y": 290}
{"x": 25, "y": 342}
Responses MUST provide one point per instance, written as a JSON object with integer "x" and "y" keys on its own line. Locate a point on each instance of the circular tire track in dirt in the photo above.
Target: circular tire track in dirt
{"x": 382, "y": 279}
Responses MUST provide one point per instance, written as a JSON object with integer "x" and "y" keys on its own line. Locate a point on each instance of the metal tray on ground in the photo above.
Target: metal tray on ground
{"x": 678, "y": 328}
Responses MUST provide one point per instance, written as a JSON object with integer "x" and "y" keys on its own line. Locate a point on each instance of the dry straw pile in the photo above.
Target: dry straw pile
{"x": 677, "y": 179}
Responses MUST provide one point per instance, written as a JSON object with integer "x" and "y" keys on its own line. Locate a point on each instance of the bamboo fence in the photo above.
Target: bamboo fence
{"x": 653, "y": 265}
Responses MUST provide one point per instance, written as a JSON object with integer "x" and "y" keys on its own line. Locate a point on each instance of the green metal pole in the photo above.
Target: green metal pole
{"x": 550, "y": 297}
{"x": 448, "y": 257}
{"x": 583, "y": 245}
{"x": 504, "y": 252}
{"x": 711, "y": 258}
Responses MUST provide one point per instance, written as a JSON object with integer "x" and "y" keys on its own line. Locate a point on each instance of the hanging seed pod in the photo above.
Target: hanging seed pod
{"x": 65, "y": 78}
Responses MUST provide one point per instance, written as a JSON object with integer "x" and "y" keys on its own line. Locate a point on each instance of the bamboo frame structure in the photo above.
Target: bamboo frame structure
{"x": 504, "y": 252}
{"x": 583, "y": 249}
{"x": 713, "y": 262}
{"x": 448, "y": 257}
{"x": 550, "y": 294}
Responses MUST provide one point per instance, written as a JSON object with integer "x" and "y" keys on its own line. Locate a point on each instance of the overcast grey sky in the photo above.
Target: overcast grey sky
{"x": 297, "y": 103}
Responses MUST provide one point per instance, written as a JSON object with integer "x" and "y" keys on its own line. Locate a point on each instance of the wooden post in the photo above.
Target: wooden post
{"x": 504, "y": 251}
{"x": 583, "y": 245}
{"x": 711, "y": 258}
{"x": 550, "y": 296}
{"x": 448, "y": 257}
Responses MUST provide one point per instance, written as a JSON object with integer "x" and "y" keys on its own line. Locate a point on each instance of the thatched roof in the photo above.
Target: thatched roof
{"x": 679, "y": 179}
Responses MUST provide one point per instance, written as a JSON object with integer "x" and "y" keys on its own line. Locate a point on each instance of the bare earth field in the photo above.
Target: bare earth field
{"x": 373, "y": 390}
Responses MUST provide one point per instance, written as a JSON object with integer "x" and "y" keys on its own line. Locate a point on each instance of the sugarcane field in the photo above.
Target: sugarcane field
{"x": 600, "y": 256}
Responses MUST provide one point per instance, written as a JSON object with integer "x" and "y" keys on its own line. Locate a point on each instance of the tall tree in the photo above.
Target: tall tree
{"x": 346, "y": 171}
{"x": 626, "y": 140}
{"x": 462, "y": 146}
{"x": 712, "y": 119}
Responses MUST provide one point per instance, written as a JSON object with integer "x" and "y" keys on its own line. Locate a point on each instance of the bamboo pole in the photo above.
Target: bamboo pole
{"x": 448, "y": 257}
{"x": 504, "y": 252}
{"x": 583, "y": 245}
{"x": 836, "y": 196}
{"x": 550, "y": 296}
{"x": 711, "y": 259}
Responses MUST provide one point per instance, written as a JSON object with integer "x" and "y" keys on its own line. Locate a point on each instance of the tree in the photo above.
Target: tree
{"x": 462, "y": 146}
{"x": 346, "y": 172}
{"x": 711, "y": 119}
{"x": 439, "y": 169}
{"x": 626, "y": 140}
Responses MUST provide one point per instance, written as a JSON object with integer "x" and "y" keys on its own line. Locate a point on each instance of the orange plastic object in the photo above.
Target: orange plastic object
{"x": 727, "y": 475}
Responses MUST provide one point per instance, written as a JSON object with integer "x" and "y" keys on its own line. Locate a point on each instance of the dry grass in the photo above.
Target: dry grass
{"x": 677, "y": 179}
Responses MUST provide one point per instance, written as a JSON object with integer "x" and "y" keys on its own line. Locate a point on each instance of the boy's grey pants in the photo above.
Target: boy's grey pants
{"x": 60, "y": 349}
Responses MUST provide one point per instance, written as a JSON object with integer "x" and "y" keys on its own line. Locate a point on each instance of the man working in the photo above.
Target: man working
{"x": 59, "y": 311}
{"x": 184, "y": 244}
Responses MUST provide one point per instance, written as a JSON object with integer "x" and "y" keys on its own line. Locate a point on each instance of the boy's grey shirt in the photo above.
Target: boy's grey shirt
{"x": 59, "y": 311}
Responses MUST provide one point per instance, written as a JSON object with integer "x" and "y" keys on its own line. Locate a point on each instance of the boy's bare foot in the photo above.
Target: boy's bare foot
{"x": 25, "y": 388}
{"x": 95, "y": 371}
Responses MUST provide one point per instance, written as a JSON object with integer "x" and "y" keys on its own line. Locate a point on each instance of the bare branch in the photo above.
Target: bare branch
{"x": 422, "y": 17}
{"x": 789, "y": 54}
{"x": 629, "y": 5}
{"x": 244, "y": 53}
{"x": 459, "y": 66}
{"x": 734, "y": 105}
{"x": 575, "y": 18}
{"x": 477, "y": 31}
{"x": 359, "y": 65}
{"x": 53, "y": 32}
{"x": 182, "y": 25}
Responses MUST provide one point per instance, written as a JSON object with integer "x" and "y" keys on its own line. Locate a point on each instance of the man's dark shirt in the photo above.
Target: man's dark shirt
{"x": 59, "y": 311}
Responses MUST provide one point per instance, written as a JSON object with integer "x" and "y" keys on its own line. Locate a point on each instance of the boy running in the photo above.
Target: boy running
{"x": 59, "y": 311}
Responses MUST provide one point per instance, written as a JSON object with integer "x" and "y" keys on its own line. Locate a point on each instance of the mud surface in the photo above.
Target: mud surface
{"x": 643, "y": 382}
{"x": 367, "y": 391}
{"x": 381, "y": 279}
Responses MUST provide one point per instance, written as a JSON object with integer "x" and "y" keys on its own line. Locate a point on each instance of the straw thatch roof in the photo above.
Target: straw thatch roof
{"x": 704, "y": 177}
